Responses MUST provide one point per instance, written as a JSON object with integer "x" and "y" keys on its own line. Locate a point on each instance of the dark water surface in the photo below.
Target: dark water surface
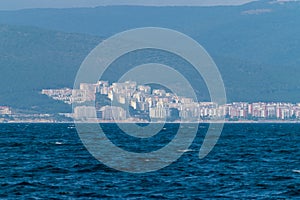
{"x": 250, "y": 161}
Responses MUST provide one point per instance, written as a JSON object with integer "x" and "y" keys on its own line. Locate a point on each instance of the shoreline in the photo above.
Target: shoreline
{"x": 139, "y": 122}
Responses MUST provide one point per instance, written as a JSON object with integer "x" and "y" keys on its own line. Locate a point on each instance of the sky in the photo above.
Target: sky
{"x": 24, "y": 4}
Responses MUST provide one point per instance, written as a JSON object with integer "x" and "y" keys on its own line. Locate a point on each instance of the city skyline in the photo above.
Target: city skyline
{"x": 130, "y": 102}
{"x": 150, "y": 104}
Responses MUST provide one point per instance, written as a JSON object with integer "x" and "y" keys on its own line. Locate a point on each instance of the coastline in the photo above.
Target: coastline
{"x": 140, "y": 122}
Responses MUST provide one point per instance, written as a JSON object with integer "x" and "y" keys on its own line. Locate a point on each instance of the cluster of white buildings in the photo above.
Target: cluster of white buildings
{"x": 4, "y": 110}
{"x": 262, "y": 110}
{"x": 85, "y": 93}
{"x": 7, "y": 115}
{"x": 107, "y": 113}
{"x": 159, "y": 104}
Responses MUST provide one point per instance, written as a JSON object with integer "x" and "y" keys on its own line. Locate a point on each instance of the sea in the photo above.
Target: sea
{"x": 249, "y": 161}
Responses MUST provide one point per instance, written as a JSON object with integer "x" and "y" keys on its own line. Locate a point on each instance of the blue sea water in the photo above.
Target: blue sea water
{"x": 256, "y": 161}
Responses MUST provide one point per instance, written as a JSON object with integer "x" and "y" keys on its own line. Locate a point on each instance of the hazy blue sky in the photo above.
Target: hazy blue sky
{"x": 21, "y": 4}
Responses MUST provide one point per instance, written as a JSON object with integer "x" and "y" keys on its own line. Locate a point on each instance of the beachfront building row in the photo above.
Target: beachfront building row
{"x": 197, "y": 111}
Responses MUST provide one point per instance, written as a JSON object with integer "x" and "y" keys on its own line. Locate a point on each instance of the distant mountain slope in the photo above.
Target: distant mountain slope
{"x": 32, "y": 59}
{"x": 256, "y": 46}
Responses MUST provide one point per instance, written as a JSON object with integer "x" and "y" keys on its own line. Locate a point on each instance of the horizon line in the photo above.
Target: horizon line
{"x": 63, "y": 5}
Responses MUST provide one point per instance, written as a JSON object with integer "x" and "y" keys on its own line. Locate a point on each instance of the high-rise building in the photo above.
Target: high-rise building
{"x": 112, "y": 113}
{"x": 84, "y": 112}
{"x": 158, "y": 112}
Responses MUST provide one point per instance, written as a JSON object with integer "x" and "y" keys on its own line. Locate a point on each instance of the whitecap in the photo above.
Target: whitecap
{"x": 58, "y": 143}
{"x": 185, "y": 150}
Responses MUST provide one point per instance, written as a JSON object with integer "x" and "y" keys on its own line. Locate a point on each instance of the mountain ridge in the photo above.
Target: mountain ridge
{"x": 256, "y": 53}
